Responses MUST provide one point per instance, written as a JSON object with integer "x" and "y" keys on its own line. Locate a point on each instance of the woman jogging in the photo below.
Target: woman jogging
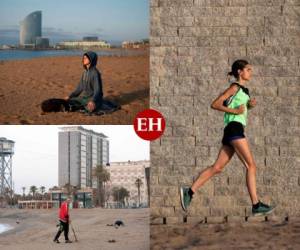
{"x": 234, "y": 102}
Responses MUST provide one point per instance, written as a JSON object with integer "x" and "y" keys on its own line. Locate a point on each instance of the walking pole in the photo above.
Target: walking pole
{"x": 74, "y": 232}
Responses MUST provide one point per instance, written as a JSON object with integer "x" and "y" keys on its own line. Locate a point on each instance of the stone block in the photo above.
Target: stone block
{"x": 266, "y": 11}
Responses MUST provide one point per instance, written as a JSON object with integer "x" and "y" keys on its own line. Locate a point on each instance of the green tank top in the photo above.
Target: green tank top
{"x": 238, "y": 99}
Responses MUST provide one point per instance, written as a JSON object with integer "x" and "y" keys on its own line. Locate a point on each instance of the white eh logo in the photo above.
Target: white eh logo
{"x": 147, "y": 124}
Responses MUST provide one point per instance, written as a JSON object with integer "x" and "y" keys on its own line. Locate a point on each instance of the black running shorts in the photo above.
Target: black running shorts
{"x": 233, "y": 130}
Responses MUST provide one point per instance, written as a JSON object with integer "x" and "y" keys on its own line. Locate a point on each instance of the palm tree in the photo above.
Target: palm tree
{"x": 23, "y": 188}
{"x": 33, "y": 190}
{"x": 147, "y": 175}
{"x": 102, "y": 176}
{"x": 42, "y": 189}
{"x": 139, "y": 183}
{"x": 107, "y": 193}
{"x": 120, "y": 194}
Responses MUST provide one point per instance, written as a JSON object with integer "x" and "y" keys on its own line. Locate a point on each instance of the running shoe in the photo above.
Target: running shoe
{"x": 262, "y": 209}
{"x": 185, "y": 197}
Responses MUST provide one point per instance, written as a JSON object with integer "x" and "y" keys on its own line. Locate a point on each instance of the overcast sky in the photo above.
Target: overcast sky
{"x": 112, "y": 20}
{"x": 35, "y": 161}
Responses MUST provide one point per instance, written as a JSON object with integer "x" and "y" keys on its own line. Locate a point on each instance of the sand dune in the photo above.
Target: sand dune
{"x": 24, "y": 84}
{"x": 36, "y": 229}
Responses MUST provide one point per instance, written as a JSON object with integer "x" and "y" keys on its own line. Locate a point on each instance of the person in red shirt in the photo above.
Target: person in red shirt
{"x": 64, "y": 220}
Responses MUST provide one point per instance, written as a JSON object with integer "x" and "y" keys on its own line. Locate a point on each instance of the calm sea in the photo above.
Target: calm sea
{"x": 28, "y": 54}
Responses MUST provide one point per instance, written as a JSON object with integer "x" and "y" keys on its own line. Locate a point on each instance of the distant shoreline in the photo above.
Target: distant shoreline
{"x": 74, "y": 48}
{"x": 51, "y": 48}
{"x": 25, "y": 54}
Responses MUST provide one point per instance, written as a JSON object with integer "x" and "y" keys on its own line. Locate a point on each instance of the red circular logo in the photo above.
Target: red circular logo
{"x": 149, "y": 124}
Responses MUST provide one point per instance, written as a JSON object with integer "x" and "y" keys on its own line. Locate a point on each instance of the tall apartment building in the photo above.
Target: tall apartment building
{"x": 125, "y": 174}
{"x": 79, "y": 151}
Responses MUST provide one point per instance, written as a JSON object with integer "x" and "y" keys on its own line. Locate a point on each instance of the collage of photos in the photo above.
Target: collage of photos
{"x": 73, "y": 172}
{"x": 150, "y": 124}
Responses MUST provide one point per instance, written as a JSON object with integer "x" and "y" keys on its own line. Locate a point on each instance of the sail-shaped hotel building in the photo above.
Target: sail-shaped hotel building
{"x": 31, "y": 28}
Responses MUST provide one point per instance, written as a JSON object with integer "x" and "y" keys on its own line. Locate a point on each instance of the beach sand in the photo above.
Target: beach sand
{"x": 269, "y": 235}
{"x": 24, "y": 84}
{"x": 37, "y": 228}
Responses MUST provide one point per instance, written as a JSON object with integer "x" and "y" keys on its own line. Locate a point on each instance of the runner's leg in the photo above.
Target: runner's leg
{"x": 225, "y": 154}
{"x": 242, "y": 149}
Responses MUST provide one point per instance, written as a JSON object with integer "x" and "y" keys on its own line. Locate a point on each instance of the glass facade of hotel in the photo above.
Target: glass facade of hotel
{"x": 31, "y": 28}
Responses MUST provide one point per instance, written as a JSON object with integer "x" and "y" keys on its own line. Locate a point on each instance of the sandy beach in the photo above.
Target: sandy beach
{"x": 37, "y": 228}
{"x": 277, "y": 235}
{"x": 24, "y": 84}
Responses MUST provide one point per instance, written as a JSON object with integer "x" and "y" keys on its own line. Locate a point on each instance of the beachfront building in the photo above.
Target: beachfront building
{"x": 41, "y": 43}
{"x": 37, "y": 204}
{"x": 84, "y": 44}
{"x": 125, "y": 174}
{"x": 81, "y": 198}
{"x": 142, "y": 44}
{"x": 90, "y": 38}
{"x": 79, "y": 152}
{"x": 30, "y": 29}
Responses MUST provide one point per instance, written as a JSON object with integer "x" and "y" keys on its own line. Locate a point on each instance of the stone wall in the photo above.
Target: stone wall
{"x": 193, "y": 44}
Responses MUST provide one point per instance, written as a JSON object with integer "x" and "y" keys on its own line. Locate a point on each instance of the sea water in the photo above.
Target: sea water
{"x": 5, "y": 227}
{"x": 16, "y": 54}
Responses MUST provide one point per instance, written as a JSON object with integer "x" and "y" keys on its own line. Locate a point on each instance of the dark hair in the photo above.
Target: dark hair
{"x": 236, "y": 66}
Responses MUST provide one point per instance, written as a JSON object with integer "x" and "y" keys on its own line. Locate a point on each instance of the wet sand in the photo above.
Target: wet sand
{"x": 24, "y": 84}
{"x": 277, "y": 235}
{"x": 37, "y": 228}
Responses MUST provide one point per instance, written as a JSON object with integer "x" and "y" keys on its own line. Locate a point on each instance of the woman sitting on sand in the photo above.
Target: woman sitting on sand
{"x": 89, "y": 90}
